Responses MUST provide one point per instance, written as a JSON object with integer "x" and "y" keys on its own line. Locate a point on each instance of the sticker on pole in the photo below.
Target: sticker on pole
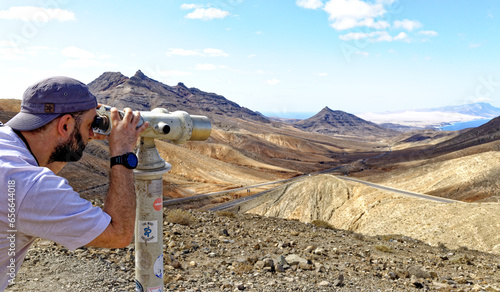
{"x": 148, "y": 231}
{"x": 158, "y": 267}
{"x": 154, "y": 289}
{"x": 158, "y": 204}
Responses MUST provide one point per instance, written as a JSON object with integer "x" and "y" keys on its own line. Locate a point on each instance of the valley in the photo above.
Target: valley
{"x": 247, "y": 150}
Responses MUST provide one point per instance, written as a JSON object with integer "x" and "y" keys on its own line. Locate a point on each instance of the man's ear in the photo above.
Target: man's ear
{"x": 65, "y": 126}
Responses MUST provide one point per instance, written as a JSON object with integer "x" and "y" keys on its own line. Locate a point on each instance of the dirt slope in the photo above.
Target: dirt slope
{"x": 465, "y": 176}
{"x": 356, "y": 207}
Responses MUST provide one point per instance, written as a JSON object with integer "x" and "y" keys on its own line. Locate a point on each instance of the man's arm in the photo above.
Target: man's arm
{"x": 120, "y": 202}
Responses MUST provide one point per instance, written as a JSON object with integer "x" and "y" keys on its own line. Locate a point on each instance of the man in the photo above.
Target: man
{"x": 53, "y": 128}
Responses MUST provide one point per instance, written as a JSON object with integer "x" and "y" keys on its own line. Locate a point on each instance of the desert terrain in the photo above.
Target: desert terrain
{"x": 247, "y": 149}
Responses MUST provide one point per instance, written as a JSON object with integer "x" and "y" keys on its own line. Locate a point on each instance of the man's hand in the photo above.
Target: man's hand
{"x": 124, "y": 134}
{"x": 120, "y": 202}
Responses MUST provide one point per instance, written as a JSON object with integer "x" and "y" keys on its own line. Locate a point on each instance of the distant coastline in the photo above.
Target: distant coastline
{"x": 465, "y": 125}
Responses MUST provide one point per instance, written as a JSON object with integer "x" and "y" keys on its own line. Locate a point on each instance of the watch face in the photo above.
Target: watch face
{"x": 132, "y": 160}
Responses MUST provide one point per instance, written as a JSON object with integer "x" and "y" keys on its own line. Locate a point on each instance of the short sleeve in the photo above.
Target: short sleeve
{"x": 52, "y": 210}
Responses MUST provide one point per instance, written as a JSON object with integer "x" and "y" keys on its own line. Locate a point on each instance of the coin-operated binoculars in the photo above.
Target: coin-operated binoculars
{"x": 177, "y": 127}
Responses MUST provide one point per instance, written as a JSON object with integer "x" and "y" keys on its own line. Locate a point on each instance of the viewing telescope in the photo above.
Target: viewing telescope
{"x": 178, "y": 126}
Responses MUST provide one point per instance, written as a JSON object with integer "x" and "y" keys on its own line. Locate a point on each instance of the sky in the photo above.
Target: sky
{"x": 279, "y": 57}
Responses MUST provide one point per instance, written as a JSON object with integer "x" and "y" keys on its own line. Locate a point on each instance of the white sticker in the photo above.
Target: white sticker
{"x": 154, "y": 289}
{"x": 148, "y": 231}
{"x": 158, "y": 267}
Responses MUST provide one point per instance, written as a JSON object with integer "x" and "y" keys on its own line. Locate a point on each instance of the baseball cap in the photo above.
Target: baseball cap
{"x": 50, "y": 98}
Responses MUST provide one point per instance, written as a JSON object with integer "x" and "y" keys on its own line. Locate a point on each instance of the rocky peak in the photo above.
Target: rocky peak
{"x": 143, "y": 93}
{"x": 180, "y": 84}
{"x": 106, "y": 81}
{"x": 140, "y": 75}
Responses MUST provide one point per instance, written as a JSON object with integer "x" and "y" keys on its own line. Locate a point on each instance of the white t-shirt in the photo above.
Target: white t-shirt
{"x": 35, "y": 202}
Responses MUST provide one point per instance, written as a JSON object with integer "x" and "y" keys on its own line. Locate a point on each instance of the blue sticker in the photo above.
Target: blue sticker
{"x": 138, "y": 286}
{"x": 158, "y": 267}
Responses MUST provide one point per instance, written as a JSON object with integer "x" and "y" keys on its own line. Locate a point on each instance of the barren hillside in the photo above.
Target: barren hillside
{"x": 469, "y": 178}
{"x": 8, "y": 108}
{"x": 355, "y": 207}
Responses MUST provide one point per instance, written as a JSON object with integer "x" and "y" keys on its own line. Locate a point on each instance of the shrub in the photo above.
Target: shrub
{"x": 226, "y": 214}
{"x": 383, "y": 248}
{"x": 323, "y": 224}
{"x": 243, "y": 268}
{"x": 179, "y": 216}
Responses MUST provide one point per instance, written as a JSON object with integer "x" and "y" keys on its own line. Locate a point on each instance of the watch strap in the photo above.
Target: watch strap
{"x": 121, "y": 160}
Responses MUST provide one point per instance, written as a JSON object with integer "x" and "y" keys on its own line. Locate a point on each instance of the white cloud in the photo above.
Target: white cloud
{"x": 322, "y": 74}
{"x": 273, "y": 81}
{"x": 346, "y": 14}
{"x": 376, "y": 36}
{"x": 207, "y": 14}
{"x": 37, "y": 14}
{"x": 209, "y": 67}
{"x": 481, "y": 99}
{"x": 208, "y": 52}
{"x": 407, "y": 24}
{"x": 190, "y": 6}
{"x": 401, "y": 37}
{"x": 215, "y": 52}
{"x": 309, "y": 4}
{"x": 251, "y": 56}
{"x": 417, "y": 118}
{"x": 428, "y": 33}
{"x": 10, "y": 51}
{"x": 474, "y": 46}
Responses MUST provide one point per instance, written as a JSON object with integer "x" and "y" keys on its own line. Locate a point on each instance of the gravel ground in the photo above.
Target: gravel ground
{"x": 224, "y": 251}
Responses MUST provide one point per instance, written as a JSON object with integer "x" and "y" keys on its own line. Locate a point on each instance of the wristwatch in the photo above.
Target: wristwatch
{"x": 129, "y": 160}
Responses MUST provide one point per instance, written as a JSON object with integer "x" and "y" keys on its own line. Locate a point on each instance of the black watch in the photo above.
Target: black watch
{"x": 129, "y": 160}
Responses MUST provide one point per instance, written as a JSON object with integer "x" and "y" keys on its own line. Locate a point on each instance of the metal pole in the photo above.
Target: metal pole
{"x": 149, "y": 217}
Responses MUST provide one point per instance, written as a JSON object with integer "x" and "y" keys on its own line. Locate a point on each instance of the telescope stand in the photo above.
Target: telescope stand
{"x": 149, "y": 217}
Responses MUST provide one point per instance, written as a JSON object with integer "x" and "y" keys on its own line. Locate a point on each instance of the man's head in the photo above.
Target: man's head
{"x": 50, "y": 98}
{"x": 64, "y": 105}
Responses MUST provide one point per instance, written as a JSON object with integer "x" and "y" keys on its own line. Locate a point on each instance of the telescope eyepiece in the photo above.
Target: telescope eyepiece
{"x": 100, "y": 123}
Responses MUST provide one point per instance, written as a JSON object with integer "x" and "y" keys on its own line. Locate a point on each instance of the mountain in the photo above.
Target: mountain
{"x": 140, "y": 92}
{"x": 330, "y": 122}
{"x": 480, "y": 109}
{"x": 436, "y": 117}
{"x": 486, "y": 133}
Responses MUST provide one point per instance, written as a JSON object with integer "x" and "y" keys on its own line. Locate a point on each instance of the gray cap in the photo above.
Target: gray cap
{"x": 50, "y": 98}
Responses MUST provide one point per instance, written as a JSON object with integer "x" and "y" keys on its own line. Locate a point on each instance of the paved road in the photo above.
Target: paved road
{"x": 214, "y": 194}
{"x": 402, "y": 192}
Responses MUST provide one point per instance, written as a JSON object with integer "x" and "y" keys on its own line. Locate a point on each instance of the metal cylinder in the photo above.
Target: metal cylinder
{"x": 149, "y": 217}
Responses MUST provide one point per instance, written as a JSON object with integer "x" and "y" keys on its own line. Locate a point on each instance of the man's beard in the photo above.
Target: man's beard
{"x": 69, "y": 151}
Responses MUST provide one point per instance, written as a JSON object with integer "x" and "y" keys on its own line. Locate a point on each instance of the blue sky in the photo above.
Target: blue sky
{"x": 268, "y": 55}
